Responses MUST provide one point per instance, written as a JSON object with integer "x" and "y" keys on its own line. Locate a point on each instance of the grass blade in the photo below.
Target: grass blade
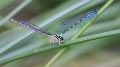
{"x": 80, "y": 32}
{"x": 16, "y": 10}
{"x": 4, "y": 3}
{"x": 66, "y": 44}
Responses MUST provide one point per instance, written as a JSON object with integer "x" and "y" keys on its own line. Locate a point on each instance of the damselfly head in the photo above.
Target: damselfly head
{"x": 61, "y": 38}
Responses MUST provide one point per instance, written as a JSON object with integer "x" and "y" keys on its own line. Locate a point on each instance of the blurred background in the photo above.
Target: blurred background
{"x": 16, "y": 40}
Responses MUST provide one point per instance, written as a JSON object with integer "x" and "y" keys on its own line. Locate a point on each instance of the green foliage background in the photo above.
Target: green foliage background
{"x": 16, "y": 40}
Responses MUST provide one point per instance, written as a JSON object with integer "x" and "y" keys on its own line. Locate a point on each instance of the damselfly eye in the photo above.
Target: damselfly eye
{"x": 62, "y": 38}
